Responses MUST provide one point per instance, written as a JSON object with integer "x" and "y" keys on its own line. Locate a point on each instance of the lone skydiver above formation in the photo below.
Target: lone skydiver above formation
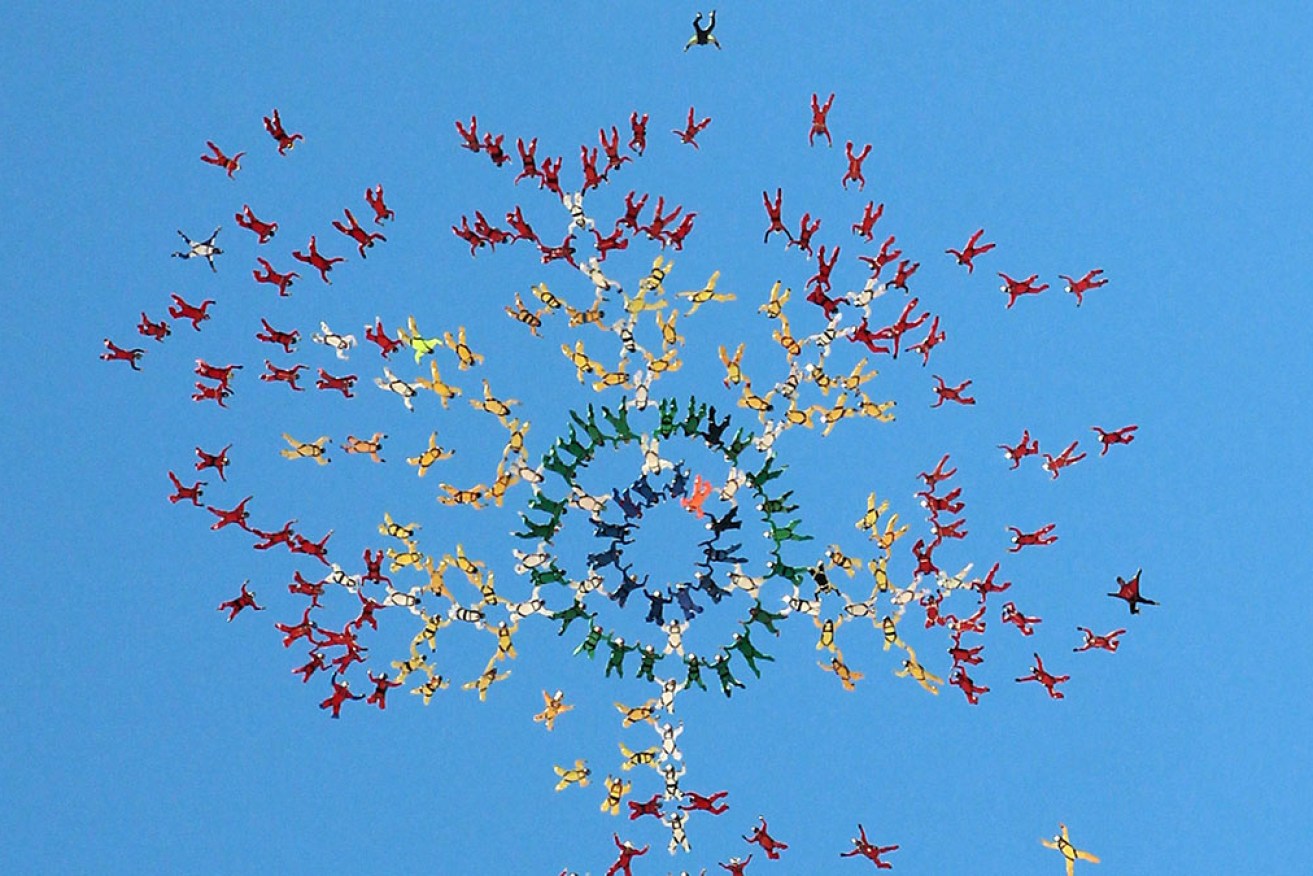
{"x": 702, "y": 36}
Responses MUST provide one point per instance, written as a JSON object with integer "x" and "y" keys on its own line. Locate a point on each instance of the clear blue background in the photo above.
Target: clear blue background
{"x": 142, "y": 734}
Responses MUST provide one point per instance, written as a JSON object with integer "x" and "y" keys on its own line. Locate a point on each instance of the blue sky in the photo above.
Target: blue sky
{"x": 145, "y": 734}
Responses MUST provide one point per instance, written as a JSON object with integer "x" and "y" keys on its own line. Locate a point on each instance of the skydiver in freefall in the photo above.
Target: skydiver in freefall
{"x": 703, "y": 36}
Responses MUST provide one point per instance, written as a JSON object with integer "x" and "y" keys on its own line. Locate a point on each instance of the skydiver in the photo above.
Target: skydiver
{"x": 702, "y": 36}
{"x": 193, "y": 313}
{"x": 274, "y": 374}
{"x": 942, "y": 531}
{"x": 612, "y": 149}
{"x": 870, "y": 215}
{"x": 315, "y": 664}
{"x": 593, "y": 178}
{"x": 549, "y": 176}
{"x": 637, "y": 714}
{"x": 821, "y": 279}
{"x": 868, "y": 850}
{"x": 554, "y": 706}
{"x": 684, "y": 597}
{"x": 913, "y": 669}
{"x": 685, "y": 227}
{"x": 1012, "y": 616}
{"x": 492, "y": 145}
{"x": 302, "y": 587}
{"x": 741, "y": 643}
{"x": 458, "y": 345}
{"x": 819, "y": 113}
{"x": 364, "y": 239}
{"x": 645, "y": 490}
{"x": 1124, "y": 435}
{"x": 689, "y": 134}
{"x": 656, "y": 228}
{"x": 706, "y": 582}
{"x": 564, "y": 251}
{"x": 200, "y": 249}
{"x": 374, "y": 198}
{"x": 652, "y": 806}
{"x": 647, "y": 663}
{"x": 1039, "y": 537}
{"x": 699, "y": 803}
{"x": 773, "y": 213}
{"x": 1130, "y": 591}
{"x": 305, "y": 629}
{"x": 486, "y": 679}
{"x": 263, "y": 230}
{"x": 1106, "y": 642}
{"x": 924, "y": 554}
{"x": 886, "y": 255}
{"x": 616, "y": 660}
{"x": 614, "y": 240}
{"x": 966, "y": 255}
{"x": 469, "y": 235}
{"x": 946, "y": 503}
{"x": 1026, "y": 447}
{"x": 1050, "y": 682}
{"x": 470, "y": 137}
{"x": 760, "y": 836}
{"x": 963, "y": 656}
{"x": 245, "y": 599}
{"x": 1083, "y": 285}
{"x": 728, "y": 682}
{"x": 274, "y": 125}
{"x": 632, "y": 210}
{"x": 627, "y": 853}
{"x": 330, "y": 338}
{"x": 217, "y": 461}
{"x": 1055, "y": 464}
{"x": 218, "y": 159}
{"x": 972, "y": 691}
{"x": 157, "y": 330}
{"x": 185, "y": 494}
{"x": 320, "y": 263}
{"x": 317, "y": 549}
{"x": 282, "y": 281}
{"x": 830, "y": 306}
{"x": 341, "y": 693}
{"x": 590, "y": 642}
{"x": 1070, "y": 853}
{"x": 1014, "y": 289}
{"x": 520, "y": 227}
{"x": 489, "y": 233}
{"x": 342, "y": 384}
{"x": 951, "y": 393}
{"x": 806, "y": 228}
{"x": 854, "y": 172}
{"x": 985, "y": 586}
{"x": 638, "y": 136}
{"x": 735, "y": 866}
{"x": 657, "y": 602}
{"x": 212, "y": 393}
{"x": 903, "y": 324}
{"x": 115, "y": 353}
{"x": 729, "y": 520}
{"x": 374, "y": 560}
{"x": 391, "y": 383}
{"x": 381, "y": 685}
{"x": 862, "y": 334}
{"x": 906, "y": 268}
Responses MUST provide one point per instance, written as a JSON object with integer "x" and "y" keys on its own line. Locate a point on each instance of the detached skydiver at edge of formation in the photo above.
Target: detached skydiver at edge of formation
{"x": 703, "y": 36}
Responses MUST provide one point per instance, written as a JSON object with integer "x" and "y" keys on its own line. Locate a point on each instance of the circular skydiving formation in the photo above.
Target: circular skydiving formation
{"x": 655, "y": 613}
{"x": 615, "y": 517}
